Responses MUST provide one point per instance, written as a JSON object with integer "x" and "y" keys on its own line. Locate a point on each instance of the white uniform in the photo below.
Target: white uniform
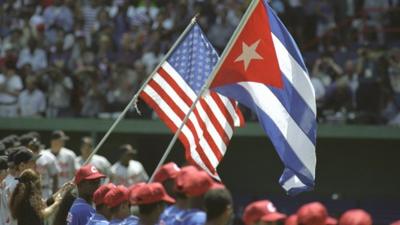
{"x": 100, "y": 162}
{"x": 47, "y": 167}
{"x": 9, "y": 184}
{"x": 4, "y": 211}
{"x": 66, "y": 162}
{"x": 127, "y": 176}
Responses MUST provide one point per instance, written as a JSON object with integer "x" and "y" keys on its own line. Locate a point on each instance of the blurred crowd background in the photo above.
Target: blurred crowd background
{"x": 87, "y": 58}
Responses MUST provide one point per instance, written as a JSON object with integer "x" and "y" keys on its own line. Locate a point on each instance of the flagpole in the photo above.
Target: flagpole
{"x": 136, "y": 96}
{"x": 207, "y": 84}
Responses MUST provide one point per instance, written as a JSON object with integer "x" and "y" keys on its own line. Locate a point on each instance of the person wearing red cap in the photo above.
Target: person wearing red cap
{"x": 262, "y": 211}
{"x": 218, "y": 205}
{"x": 172, "y": 213}
{"x": 102, "y": 215}
{"x": 314, "y": 213}
{"x": 117, "y": 199}
{"x": 87, "y": 179}
{"x": 194, "y": 184}
{"x": 166, "y": 175}
{"x": 151, "y": 199}
{"x": 355, "y": 217}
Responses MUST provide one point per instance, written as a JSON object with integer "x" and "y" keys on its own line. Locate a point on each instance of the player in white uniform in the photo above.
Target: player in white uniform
{"x": 100, "y": 162}
{"x": 4, "y": 212}
{"x": 128, "y": 171}
{"x": 64, "y": 156}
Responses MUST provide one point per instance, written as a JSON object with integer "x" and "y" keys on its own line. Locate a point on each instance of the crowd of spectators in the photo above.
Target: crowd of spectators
{"x": 86, "y": 58}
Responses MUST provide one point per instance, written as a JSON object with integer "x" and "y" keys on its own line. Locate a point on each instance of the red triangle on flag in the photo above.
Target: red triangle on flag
{"x": 252, "y": 56}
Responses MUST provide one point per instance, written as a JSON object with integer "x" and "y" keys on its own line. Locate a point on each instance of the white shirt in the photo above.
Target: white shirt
{"x": 127, "y": 176}
{"x": 10, "y": 183}
{"x": 13, "y": 83}
{"x": 47, "y": 167}
{"x": 4, "y": 211}
{"x": 98, "y": 161}
{"x": 66, "y": 163}
{"x": 38, "y": 60}
{"x": 31, "y": 103}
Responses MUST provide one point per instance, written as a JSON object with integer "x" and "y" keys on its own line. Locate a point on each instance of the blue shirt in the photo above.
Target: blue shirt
{"x": 186, "y": 217}
{"x": 80, "y": 212}
{"x": 98, "y": 219}
{"x": 131, "y": 220}
{"x": 169, "y": 214}
{"x": 117, "y": 222}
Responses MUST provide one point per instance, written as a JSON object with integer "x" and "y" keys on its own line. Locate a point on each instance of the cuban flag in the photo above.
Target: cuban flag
{"x": 263, "y": 69}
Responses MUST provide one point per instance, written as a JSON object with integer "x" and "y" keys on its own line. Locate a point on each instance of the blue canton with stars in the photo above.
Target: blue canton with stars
{"x": 194, "y": 58}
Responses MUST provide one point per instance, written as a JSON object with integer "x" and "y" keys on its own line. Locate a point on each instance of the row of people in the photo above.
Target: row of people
{"x": 58, "y": 164}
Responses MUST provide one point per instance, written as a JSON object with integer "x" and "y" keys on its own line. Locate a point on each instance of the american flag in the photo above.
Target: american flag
{"x": 175, "y": 87}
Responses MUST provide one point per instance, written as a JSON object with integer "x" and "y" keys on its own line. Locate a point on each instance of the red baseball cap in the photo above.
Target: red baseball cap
{"x": 167, "y": 171}
{"x": 88, "y": 172}
{"x": 100, "y": 193}
{"x": 194, "y": 183}
{"x": 133, "y": 191}
{"x": 216, "y": 185}
{"x": 396, "y": 222}
{"x": 116, "y": 196}
{"x": 272, "y": 217}
{"x": 291, "y": 220}
{"x": 152, "y": 193}
{"x": 313, "y": 213}
{"x": 256, "y": 210}
{"x": 355, "y": 217}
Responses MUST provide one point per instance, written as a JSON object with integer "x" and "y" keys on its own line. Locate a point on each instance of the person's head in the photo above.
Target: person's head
{"x": 27, "y": 191}
{"x": 355, "y": 217}
{"x": 151, "y": 199}
{"x": 166, "y": 175}
{"x": 30, "y": 83}
{"x": 86, "y": 147}
{"x": 194, "y": 184}
{"x": 99, "y": 199}
{"x": 127, "y": 153}
{"x": 3, "y": 167}
{"x": 58, "y": 139}
{"x": 88, "y": 180}
{"x": 218, "y": 205}
{"x": 117, "y": 199}
{"x": 313, "y": 213}
{"x": 24, "y": 159}
{"x": 256, "y": 213}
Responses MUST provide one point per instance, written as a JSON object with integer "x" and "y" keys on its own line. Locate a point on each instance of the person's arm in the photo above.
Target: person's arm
{"x": 47, "y": 212}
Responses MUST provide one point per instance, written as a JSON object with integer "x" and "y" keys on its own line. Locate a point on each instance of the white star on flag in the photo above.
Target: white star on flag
{"x": 249, "y": 53}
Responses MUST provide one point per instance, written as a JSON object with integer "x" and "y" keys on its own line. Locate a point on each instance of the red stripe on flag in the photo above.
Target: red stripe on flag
{"x": 189, "y": 124}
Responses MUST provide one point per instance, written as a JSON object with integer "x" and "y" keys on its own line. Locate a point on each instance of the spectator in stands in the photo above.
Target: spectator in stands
{"x": 59, "y": 93}
{"x": 59, "y": 14}
{"x": 26, "y": 202}
{"x": 394, "y": 75}
{"x": 151, "y": 199}
{"x": 31, "y": 101}
{"x": 218, "y": 206}
{"x": 10, "y": 87}
{"x": 87, "y": 180}
{"x": 64, "y": 156}
{"x": 33, "y": 55}
{"x": 100, "y": 162}
{"x": 128, "y": 171}
{"x": 3, "y": 200}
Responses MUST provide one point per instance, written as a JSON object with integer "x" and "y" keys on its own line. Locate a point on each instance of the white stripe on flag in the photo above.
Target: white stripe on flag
{"x": 185, "y": 131}
{"x": 293, "y": 182}
{"x": 296, "y": 138}
{"x": 295, "y": 74}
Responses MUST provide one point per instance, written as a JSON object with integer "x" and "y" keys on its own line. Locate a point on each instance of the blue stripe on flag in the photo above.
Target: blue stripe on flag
{"x": 286, "y": 153}
{"x": 297, "y": 108}
{"x": 280, "y": 31}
